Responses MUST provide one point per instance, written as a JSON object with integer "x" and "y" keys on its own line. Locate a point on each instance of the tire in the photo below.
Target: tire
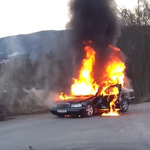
{"x": 124, "y": 106}
{"x": 89, "y": 111}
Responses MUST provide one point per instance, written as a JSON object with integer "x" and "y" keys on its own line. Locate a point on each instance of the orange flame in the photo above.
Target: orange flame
{"x": 112, "y": 110}
{"x": 114, "y": 75}
{"x": 86, "y": 85}
{"x": 114, "y": 48}
{"x": 63, "y": 96}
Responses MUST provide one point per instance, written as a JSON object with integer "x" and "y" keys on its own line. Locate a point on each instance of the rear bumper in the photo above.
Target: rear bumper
{"x": 69, "y": 111}
{"x": 131, "y": 100}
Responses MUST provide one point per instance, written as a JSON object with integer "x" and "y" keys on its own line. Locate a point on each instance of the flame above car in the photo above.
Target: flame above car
{"x": 85, "y": 84}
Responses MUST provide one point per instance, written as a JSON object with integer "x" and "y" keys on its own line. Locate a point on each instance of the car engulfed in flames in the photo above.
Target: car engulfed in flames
{"x": 88, "y": 97}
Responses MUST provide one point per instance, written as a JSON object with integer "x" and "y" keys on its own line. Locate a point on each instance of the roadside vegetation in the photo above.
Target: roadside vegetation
{"x": 24, "y": 72}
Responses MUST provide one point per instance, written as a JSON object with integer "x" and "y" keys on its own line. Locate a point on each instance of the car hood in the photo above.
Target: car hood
{"x": 76, "y": 99}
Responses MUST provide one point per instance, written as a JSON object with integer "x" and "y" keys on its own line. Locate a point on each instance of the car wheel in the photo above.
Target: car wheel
{"x": 124, "y": 106}
{"x": 89, "y": 110}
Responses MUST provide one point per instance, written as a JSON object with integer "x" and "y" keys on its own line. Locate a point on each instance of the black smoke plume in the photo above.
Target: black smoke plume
{"x": 96, "y": 21}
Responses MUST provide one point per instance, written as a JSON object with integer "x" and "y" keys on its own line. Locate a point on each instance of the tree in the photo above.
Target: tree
{"x": 136, "y": 47}
{"x": 139, "y": 16}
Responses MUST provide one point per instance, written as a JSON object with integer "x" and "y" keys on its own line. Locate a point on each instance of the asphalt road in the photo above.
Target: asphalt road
{"x": 47, "y": 132}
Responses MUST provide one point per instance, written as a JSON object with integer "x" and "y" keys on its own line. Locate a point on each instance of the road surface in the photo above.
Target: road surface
{"x": 47, "y": 132}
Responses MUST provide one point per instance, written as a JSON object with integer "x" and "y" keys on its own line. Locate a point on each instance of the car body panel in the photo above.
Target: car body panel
{"x": 99, "y": 102}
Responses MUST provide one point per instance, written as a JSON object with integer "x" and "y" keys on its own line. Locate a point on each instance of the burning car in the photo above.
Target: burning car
{"x": 90, "y": 105}
{"x": 87, "y": 97}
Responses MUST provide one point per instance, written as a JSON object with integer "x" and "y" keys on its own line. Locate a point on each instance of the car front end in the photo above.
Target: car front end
{"x": 70, "y": 107}
{"x": 67, "y": 108}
